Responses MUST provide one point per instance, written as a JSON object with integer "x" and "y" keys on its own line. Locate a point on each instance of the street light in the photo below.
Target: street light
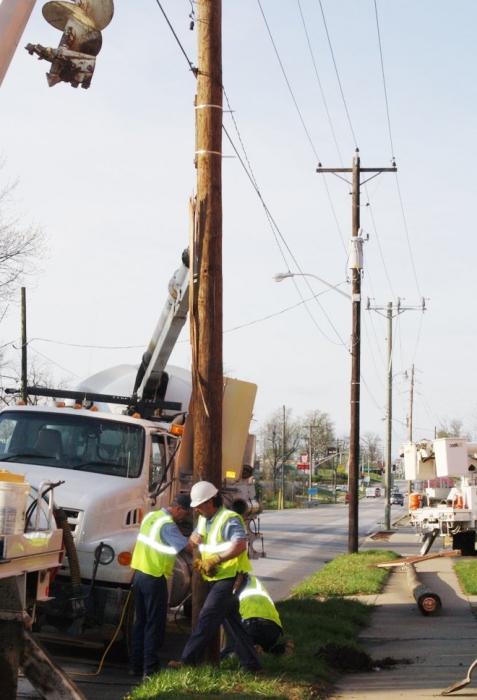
{"x": 284, "y": 275}
{"x": 356, "y": 265}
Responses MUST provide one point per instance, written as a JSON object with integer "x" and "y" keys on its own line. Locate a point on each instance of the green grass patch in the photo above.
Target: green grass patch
{"x": 467, "y": 574}
{"x": 348, "y": 574}
{"x": 305, "y": 674}
{"x": 324, "y": 633}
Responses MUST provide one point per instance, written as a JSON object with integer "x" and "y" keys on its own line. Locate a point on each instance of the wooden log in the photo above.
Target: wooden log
{"x": 416, "y": 559}
{"x": 427, "y": 601}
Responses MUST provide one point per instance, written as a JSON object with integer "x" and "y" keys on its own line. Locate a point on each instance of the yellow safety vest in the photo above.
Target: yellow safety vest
{"x": 213, "y": 543}
{"x": 151, "y": 554}
{"x": 255, "y": 601}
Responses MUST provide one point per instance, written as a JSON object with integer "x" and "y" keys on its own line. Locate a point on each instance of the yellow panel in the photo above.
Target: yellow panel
{"x": 238, "y": 401}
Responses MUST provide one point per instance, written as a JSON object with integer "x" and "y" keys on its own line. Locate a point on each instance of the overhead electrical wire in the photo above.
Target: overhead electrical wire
{"x": 406, "y": 228}
{"x": 290, "y": 89}
{"x": 252, "y": 179}
{"x": 320, "y": 85}
{"x": 48, "y": 359}
{"x": 254, "y": 182}
{"x": 330, "y": 124}
{"x": 292, "y": 255}
{"x": 355, "y": 140}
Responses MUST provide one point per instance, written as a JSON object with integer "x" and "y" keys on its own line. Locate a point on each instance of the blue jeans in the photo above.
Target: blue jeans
{"x": 150, "y": 614}
{"x": 220, "y": 608}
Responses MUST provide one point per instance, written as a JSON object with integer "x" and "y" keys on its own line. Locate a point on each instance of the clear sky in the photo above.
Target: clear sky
{"x": 107, "y": 174}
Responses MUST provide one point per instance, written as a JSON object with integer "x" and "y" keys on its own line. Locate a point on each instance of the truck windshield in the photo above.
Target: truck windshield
{"x": 70, "y": 441}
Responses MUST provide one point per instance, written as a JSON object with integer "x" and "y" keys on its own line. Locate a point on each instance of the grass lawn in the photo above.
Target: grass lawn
{"x": 348, "y": 574}
{"x": 314, "y": 624}
{"x": 467, "y": 574}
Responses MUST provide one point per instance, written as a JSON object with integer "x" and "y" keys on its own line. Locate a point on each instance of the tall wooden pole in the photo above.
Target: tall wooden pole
{"x": 353, "y": 473}
{"x": 411, "y": 405}
{"x": 389, "y": 419}
{"x": 355, "y": 366}
{"x": 206, "y": 310}
{"x": 206, "y": 268}
{"x": 24, "y": 380}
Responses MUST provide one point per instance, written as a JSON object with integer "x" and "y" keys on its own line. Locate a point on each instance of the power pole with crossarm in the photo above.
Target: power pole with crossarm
{"x": 356, "y": 270}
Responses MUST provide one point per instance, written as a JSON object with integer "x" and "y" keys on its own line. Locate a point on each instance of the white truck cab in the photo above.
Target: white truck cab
{"x": 113, "y": 468}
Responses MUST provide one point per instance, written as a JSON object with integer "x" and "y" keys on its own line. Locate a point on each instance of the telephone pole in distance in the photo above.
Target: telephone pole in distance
{"x": 390, "y": 311}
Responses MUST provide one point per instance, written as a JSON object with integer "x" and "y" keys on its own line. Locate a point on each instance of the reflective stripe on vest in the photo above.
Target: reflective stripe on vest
{"x": 151, "y": 555}
{"x": 215, "y": 544}
{"x": 255, "y": 601}
{"x": 254, "y": 587}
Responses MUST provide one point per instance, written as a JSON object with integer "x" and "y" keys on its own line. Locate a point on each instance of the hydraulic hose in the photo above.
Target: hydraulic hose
{"x": 70, "y": 547}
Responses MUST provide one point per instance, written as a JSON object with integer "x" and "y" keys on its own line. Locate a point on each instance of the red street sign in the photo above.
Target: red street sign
{"x": 303, "y": 465}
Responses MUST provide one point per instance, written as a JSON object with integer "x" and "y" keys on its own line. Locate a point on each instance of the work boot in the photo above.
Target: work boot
{"x": 175, "y": 664}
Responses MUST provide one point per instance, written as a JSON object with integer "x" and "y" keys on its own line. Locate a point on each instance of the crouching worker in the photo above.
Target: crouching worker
{"x": 222, "y": 542}
{"x": 260, "y": 619}
{"x": 158, "y": 543}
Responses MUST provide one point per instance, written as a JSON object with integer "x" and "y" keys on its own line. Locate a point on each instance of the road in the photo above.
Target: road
{"x": 300, "y": 541}
{"x": 297, "y": 542}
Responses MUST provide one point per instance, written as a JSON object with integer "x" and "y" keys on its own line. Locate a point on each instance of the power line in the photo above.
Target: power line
{"x": 322, "y": 92}
{"x": 254, "y": 183}
{"x": 292, "y": 94}
{"x": 338, "y": 76}
{"x": 401, "y": 204}
{"x": 189, "y": 62}
{"x": 277, "y": 232}
{"x": 384, "y": 78}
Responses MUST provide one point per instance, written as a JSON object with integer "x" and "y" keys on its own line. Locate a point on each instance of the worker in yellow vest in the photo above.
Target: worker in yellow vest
{"x": 222, "y": 542}
{"x": 158, "y": 543}
{"x": 260, "y": 617}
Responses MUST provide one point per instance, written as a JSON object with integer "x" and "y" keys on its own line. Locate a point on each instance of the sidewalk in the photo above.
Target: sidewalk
{"x": 436, "y": 650}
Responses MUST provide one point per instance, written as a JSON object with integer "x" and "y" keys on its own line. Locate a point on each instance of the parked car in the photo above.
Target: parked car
{"x": 397, "y": 499}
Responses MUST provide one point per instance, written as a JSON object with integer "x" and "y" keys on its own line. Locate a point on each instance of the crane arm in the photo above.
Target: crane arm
{"x": 150, "y": 374}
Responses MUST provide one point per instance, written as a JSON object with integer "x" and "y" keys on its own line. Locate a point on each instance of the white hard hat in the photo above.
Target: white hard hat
{"x": 201, "y": 492}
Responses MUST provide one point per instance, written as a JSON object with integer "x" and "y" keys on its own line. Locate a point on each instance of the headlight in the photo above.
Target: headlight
{"x": 104, "y": 553}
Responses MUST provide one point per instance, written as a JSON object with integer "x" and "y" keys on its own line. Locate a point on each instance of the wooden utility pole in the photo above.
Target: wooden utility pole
{"x": 206, "y": 297}
{"x": 284, "y": 457}
{"x": 206, "y": 264}
{"x": 411, "y": 405}
{"x": 24, "y": 380}
{"x": 389, "y": 419}
{"x": 390, "y": 311}
{"x": 355, "y": 351}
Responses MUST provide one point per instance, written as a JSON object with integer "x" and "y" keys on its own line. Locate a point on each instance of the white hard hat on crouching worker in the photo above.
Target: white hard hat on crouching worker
{"x": 201, "y": 492}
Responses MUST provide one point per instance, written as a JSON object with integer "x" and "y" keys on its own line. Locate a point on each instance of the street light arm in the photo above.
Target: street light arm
{"x": 280, "y": 276}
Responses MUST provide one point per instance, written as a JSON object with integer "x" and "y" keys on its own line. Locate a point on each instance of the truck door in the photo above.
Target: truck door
{"x": 161, "y": 473}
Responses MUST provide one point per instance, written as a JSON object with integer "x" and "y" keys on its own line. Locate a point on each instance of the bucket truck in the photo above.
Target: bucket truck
{"x": 447, "y": 469}
{"x": 121, "y": 449}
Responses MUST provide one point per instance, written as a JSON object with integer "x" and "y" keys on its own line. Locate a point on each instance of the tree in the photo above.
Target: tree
{"x": 371, "y": 443}
{"x": 275, "y": 449}
{"x": 452, "y": 428}
{"x": 322, "y": 432}
{"x": 20, "y": 246}
{"x": 38, "y": 375}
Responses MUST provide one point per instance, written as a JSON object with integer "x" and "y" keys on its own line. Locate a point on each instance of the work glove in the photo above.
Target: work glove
{"x": 207, "y": 567}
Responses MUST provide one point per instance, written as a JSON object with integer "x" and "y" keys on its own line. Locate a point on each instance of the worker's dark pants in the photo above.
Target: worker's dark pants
{"x": 266, "y": 633}
{"x": 150, "y": 608}
{"x": 220, "y": 608}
